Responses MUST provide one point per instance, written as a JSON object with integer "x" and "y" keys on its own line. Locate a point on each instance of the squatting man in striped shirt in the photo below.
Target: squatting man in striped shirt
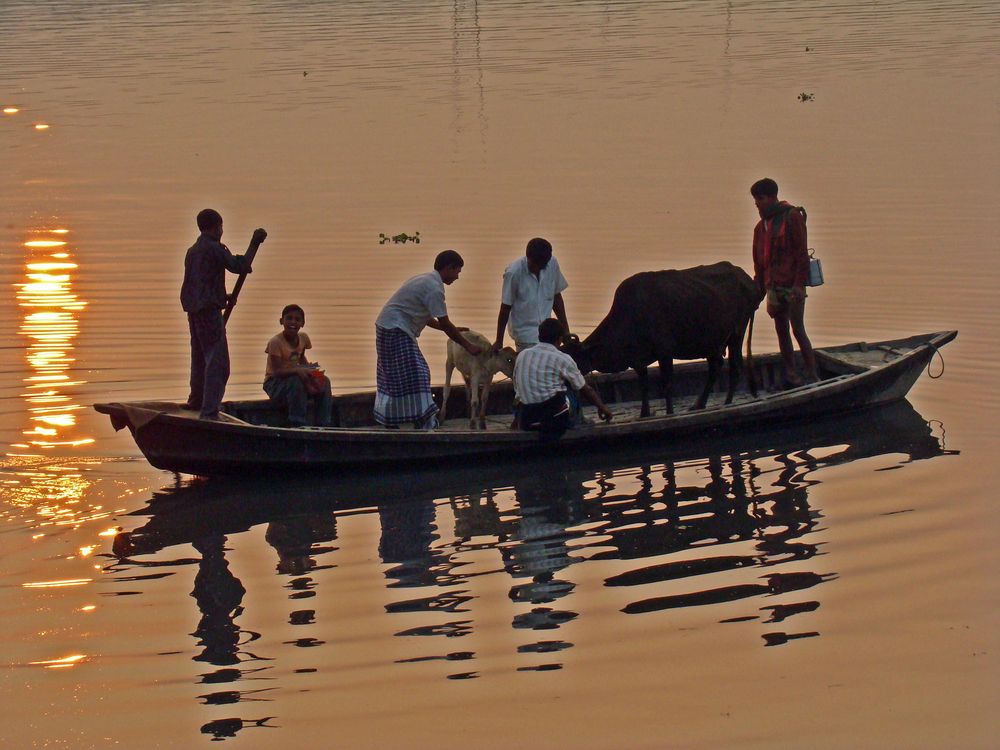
{"x": 542, "y": 374}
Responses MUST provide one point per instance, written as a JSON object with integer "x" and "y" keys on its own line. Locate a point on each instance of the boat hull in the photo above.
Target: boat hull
{"x": 178, "y": 442}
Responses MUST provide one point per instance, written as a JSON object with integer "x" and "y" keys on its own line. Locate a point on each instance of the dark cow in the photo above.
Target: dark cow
{"x": 666, "y": 315}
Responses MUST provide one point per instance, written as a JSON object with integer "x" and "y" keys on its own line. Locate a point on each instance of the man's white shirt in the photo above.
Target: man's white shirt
{"x": 417, "y": 301}
{"x": 530, "y": 298}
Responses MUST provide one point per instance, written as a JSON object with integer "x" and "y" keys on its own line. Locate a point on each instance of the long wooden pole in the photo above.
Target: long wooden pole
{"x": 259, "y": 236}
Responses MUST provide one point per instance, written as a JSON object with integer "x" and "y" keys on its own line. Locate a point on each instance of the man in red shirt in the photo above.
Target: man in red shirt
{"x": 781, "y": 268}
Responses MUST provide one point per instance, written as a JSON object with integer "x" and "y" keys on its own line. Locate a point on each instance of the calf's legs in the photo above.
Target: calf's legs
{"x": 449, "y": 368}
{"x": 473, "y": 387}
{"x": 483, "y": 401}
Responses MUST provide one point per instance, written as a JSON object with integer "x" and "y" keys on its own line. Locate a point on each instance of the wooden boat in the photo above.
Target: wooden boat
{"x": 250, "y": 438}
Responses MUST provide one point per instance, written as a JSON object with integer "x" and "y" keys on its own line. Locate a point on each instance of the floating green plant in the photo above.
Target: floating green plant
{"x": 399, "y": 239}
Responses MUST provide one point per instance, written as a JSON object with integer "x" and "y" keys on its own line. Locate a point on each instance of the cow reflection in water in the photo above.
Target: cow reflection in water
{"x": 726, "y": 511}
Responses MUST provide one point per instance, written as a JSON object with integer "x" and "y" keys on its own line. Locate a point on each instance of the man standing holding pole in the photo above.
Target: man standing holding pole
{"x": 203, "y": 297}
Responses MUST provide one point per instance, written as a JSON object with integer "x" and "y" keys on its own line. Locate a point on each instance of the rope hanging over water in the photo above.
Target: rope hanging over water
{"x": 937, "y": 351}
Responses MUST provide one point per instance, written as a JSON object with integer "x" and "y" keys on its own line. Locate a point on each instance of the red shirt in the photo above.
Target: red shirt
{"x": 780, "y": 253}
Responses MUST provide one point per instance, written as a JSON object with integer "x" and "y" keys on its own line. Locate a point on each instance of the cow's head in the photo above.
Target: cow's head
{"x": 504, "y": 360}
{"x": 571, "y": 345}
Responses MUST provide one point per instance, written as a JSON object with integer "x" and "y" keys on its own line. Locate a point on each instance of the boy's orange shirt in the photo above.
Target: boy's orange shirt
{"x": 288, "y": 355}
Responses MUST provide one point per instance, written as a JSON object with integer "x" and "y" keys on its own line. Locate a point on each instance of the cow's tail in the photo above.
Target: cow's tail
{"x": 748, "y": 364}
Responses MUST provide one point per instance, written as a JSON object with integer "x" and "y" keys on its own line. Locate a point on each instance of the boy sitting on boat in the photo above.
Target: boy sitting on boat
{"x": 290, "y": 379}
{"x": 542, "y": 375}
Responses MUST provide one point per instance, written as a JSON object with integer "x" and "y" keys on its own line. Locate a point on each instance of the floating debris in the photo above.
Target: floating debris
{"x": 399, "y": 239}
{"x": 806, "y": 97}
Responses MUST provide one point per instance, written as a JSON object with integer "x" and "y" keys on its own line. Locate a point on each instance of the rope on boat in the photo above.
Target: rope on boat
{"x": 890, "y": 351}
{"x": 937, "y": 351}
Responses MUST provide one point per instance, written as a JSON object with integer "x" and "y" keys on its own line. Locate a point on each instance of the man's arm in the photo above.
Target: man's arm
{"x": 443, "y": 324}
{"x": 572, "y": 375}
{"x": 241, "y": 263}
{"x": 508, "y": 293}
{"x": 233, "y": 263}
{"x": 502, "y": 317}
{"x": 559, "y": 308}
{"x": 591, "y": 395}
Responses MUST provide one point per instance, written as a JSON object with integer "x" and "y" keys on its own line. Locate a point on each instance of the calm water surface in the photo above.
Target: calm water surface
{"x": 830, "y": 586}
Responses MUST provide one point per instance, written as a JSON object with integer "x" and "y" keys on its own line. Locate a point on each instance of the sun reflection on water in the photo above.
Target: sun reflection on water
{"x": 50, "y": 322}
{"x": 63, "y": 663}
{"x": 43, "y": 474}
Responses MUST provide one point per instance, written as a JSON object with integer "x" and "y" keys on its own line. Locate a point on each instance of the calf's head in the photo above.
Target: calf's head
{"x": 504, "y": 361}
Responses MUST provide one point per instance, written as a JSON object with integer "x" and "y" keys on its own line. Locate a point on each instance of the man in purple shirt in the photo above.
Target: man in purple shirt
{"x": 203, "y": 297}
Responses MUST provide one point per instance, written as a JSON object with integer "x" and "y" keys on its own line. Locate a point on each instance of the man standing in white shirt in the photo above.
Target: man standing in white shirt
{"x": 542, "y": 376}
{"x": 532, "y": 290}
{"x": 403, "y": 377}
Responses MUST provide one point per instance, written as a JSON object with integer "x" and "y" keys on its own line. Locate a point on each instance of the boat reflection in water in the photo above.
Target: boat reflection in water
{"x": 42, "y": 476}
{"x": 739, "y": 507}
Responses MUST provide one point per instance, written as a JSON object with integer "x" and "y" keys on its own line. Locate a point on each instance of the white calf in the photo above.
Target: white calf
{"x": 477, "y": 371}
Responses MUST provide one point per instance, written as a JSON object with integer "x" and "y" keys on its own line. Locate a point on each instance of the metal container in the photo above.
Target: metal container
{"x": 815, "y": 271}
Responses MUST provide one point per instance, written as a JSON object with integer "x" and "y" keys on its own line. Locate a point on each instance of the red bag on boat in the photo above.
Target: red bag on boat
{"x": 316, "y": 382}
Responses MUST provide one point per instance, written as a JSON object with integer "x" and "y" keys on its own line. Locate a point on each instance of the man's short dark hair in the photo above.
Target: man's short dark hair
{"x": 539, "y": 249}
{"x": 448, "y": 259}
{"x": 208, "y": 218}
{"x": 766, "y": 188}
{"x": 550, "y": 331}
{"x": 293, "y": 308}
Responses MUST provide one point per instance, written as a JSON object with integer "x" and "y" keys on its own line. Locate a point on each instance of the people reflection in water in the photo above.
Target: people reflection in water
{"x": 549, "y": 503}
{"x": 476, "y": 515}
{"x": 296, "y": 539}
{"x": 219, "y": 595}
{"x": 408, "y": 533}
